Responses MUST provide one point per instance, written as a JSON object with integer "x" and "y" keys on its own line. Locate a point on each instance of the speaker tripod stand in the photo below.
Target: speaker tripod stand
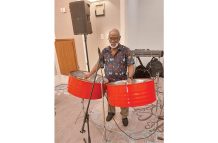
{"x": 87, "y": 56}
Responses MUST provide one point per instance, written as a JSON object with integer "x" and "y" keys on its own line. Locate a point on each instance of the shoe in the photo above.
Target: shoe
{"x": 109, "y": 116}
{"x": 125, "y": 121}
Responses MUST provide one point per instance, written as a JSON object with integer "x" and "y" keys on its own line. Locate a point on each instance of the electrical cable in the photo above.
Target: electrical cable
{"x": 131, "y": 136}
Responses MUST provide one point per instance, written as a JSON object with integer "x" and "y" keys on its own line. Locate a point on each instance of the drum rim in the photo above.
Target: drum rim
{"x": 83, "y": 79}
{"x": 126, "y": 83}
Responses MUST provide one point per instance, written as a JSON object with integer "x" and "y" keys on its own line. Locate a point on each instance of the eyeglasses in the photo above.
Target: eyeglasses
{"x": 113, "y": 38}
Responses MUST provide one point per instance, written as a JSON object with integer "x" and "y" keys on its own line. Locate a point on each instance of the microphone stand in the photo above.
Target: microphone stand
{"x": 102, "y": 93}
{"x": 86, "y": 117}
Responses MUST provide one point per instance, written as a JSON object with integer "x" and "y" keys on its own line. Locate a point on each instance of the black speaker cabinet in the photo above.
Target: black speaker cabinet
{"x": 80, "y": 15}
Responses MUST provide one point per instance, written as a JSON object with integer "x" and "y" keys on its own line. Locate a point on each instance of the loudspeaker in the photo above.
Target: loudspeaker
{"x": 80, "y": 16}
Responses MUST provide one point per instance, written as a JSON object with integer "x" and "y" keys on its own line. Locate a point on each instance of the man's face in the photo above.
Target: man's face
{"x": 114, "y": 39}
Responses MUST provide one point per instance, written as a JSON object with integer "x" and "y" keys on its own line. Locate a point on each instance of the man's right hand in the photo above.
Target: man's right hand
{"x": 87, "y": 75}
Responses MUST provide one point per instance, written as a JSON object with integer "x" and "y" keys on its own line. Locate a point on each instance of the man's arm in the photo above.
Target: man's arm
{"x": 131, "y": 71}
{"x": 93, "y": 70}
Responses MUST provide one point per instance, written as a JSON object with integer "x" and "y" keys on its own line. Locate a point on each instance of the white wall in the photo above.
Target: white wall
{"x": 143, "y": 25}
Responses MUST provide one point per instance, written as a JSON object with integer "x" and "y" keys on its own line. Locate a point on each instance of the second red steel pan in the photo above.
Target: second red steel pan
{"x": 138, "y": 93}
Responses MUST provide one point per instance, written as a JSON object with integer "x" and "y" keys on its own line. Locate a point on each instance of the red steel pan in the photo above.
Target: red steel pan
{"x": 80, "y": 87}
{"x": 138, "y": 93}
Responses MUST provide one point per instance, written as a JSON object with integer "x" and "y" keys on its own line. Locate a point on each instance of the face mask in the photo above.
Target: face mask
{"x": 114, "y": 45}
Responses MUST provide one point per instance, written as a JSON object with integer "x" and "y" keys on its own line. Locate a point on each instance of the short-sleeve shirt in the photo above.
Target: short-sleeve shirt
{"x": 115, "y": 67}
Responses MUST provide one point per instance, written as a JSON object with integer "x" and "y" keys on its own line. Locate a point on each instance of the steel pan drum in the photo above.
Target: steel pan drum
{"x": 80, "y": 87}
{"x": 138, "y": 93}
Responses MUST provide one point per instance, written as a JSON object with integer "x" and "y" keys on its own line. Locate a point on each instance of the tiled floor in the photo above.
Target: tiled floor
{"x": 144, "y": 124}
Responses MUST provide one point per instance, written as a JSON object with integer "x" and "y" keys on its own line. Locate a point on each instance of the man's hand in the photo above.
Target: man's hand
{"x": 105, "y": 81}
{"x": 87, "y": 75}
{"x": 129, "y": 80}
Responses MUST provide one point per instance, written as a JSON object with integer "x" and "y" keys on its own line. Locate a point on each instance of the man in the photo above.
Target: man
{"x": 116, "y": 60}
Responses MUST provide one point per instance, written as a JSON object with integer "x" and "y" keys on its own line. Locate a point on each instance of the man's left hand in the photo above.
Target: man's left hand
{"x": 129, "y": 80}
